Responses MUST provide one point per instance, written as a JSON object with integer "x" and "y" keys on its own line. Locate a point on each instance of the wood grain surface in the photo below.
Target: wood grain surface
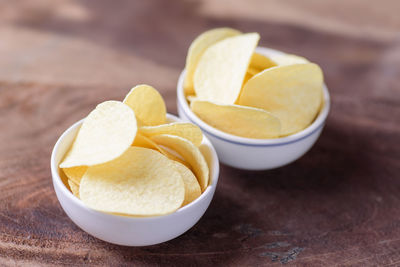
{"x": 337, "y": 205}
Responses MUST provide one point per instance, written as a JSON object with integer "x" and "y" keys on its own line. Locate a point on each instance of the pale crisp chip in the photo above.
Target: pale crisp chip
{"x": 292, "y": 93}
{"x": 197, "y": 48}
{"x": 188, "y": 131}
{"x": 143, "y": 141}
{"x": 75, "y": 173}
{"x": 189, "y": 152}
{"x": 208, "y": 156}
{"x": 288, "y": 59}
{"x": 261, "y": 62}
{"x": 192, "y": 187}
{"x": 106, "y": 133}
{"x": 222, "y": 68}
{"x": 148, "y": 105}
{"x": 74, "y": 187}
{"x": 245, "y": 121}
{"x": 141, "y": 182}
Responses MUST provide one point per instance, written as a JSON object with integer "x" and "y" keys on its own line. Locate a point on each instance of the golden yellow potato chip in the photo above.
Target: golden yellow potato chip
{"x": 105, "y": 134}
{"x": 250, "y": 73}
{"x": 140, "y": 182}
{"x": 261, "y": 62}
{"x": 238, "y": 120}
{"x": 292, "y": 93}
{"x": 143, "y": 141}
{"x": 74, "y": 187}
{"x": 148, "y": 105}
{"x": 191, "y": 98}
{"x": 288, "y": 59}
{"x": 75, "y": 173}
{"x": 197, "y": 48}
{"x": 207, "y": 154}
{"x": 64, "y": 178}
{"x": 246, "y": 78}
{"x": 188, "y": 131}
{"x": 222, "y": 68}
{"x": 189, "y": 152}
{"x": 192, "y": 187}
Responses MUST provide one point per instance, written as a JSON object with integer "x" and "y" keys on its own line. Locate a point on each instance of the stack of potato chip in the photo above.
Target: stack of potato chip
{"x": 127, "y": 160}
{"x": 244, "y": 93}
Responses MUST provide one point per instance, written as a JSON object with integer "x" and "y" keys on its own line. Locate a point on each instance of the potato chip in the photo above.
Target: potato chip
{"x": 246, "y": 121}
{"x": 197, "y": 48}
{"x": 250, "y": 73}
{"x": 246, "y": 78}
{"x": 74, "y": 187}
{"x": 192, "y": 187}
{"x": 258, "y": 63}
{"x": 261, "y": 62}
{"x": 191, "y": 98}
{"x": 140, "y": 182}
{"x": 288, "y": 59}
{"x": 143, "y": 141}
{"x": 208, "y": 156}
{"x": 189, "y": 152}
{"x": 64, "y": 179}
{"x": 75, "y": 173}
{"x": 106, "y": 133}
{"x": 292, "y": 93}
{"x": 222, "y": 68}
{"x": 148, "y": 105}
{"x": 188, "y": 131}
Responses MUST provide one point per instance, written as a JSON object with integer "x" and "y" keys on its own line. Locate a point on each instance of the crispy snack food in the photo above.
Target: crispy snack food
{"x": 128, "y": 160}
{"x": 245, "y": 93}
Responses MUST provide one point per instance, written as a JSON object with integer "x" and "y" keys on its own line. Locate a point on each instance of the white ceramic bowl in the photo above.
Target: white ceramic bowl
{"x": 126, "y": 230}
{"x": 256, "y": 154}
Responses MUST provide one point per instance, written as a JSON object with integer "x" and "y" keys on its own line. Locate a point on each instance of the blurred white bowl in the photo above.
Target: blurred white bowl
{"x": 130, "y": 231}
{"x": 256, "y": 154}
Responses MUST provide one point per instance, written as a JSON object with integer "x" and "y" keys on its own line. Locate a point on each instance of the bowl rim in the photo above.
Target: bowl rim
{"x": 314, "y": 127}
{"x": 57, "y": 182}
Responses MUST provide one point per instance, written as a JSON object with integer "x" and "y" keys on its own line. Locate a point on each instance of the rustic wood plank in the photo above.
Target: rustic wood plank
{"x": 336, "y": 205}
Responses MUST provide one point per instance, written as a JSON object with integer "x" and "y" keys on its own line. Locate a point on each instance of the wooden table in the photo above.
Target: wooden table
{"x": 339, "y": 204}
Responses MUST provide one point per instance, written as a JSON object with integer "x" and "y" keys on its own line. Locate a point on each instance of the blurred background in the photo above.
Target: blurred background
{"x": 122, "y": 43}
